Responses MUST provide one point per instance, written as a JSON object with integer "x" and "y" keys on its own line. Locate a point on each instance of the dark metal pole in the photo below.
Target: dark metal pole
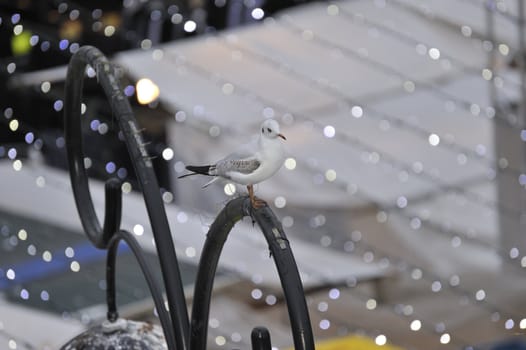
{"x": 143, "y": 168}
{"x": 260, "y": 338}
{"x": 155, "y": 290}
{"x": 283, "y": 258}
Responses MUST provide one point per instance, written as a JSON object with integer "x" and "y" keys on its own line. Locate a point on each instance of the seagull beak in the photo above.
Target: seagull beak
{"x": 283, "y": 137}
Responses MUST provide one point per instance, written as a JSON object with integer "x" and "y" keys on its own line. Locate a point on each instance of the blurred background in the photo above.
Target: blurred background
{"x": 403, "y": 192}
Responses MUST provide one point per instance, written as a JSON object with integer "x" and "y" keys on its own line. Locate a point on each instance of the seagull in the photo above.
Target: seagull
{"x": 252, "y": 163}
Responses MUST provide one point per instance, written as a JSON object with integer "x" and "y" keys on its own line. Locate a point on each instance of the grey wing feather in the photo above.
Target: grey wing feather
{"x": 243, "y": 160}
{"x": 245, "y": 166}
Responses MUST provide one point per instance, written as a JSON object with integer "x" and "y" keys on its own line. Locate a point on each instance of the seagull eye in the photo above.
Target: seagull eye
{"x": 269, "y": 130}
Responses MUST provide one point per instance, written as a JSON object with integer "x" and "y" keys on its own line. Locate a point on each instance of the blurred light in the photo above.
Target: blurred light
{"x": 334, "y": 293}
{"x": 421, "y": 49}
{"x": 63, "y": 44}
{"x": 466, "y": 31}
{"x": 168, "y": 153}
{"x": 271, "y": 299}
{"x": 22, "y": 235}
{"x": 229, "y": 189}
{"x": 290, "y": 163}
{"x": 434, "y": 53}
{"x": 157, "y": 54}
{"x": 45, "y": 87}
{"x": 409, "y": 86}
{"x": 11, "y": 67}
{"x": 10, "y": 274}
{"x": 46, "y": 256}
{"x": 176, "y": 18}
{"x": 445, "y": 338}
{"x": 287, "y": 221}
{"x": 330, "y": 175}
{"x": 487, "y": 74}
{"x": 480, "y": 295}
{"x": 57, "y": 105}
{"x": 110, "y": 167}
{"x": 280, "y": 202}
{"x": 190, "y": 26}
{"x": 416, "y": 274}
{"x": 325, "y": 324}
{"x": 256, "y": 294}
{"x": 15, "y": 18}
{"x": 182, "y": 217}
{"x": 103, "y": 128}
{"x": 129, "y": 90}
{"x": 44, "y": 295}
{"x": 323, "y": 306}
{"x": 11, "y": 153}
{"x": 126, "y": 187}
{"x": 69, "y": 252}
{"x": 21, "y": 43}
{"x": 180, "y": 116}
{"x": 147, "y": 91}
{"x": 436, "y": 286}
{"x": 74, "y": 266}
{"x": 17, "y": 30}
{"x": 357, "y": 111}
{"x": 34, "y": 40}
{"x": 371, "y": 304}
{"x": 434, "y": 139}
{"x": 509, "y": 324}
{"x": 415, "y": 325}
{"x": 17, "y": 165}
{"x": 109, "y": 31}
{"x": 214, "y": 131}
{"x": 268, "y": 112}
{"x": 329, "y": 131}
{"x": 401, "y": 202}
{"x": 258, "y": 13}
{"x": 220, "y": 340}
{"x": 190, "y": 252}
{"x": 138, "y": 229}
{"x": 13, "y": 125}
{"x": 504, "y": 49}
{"x": 146, "y": 44}
{"x": 380, "y": 340}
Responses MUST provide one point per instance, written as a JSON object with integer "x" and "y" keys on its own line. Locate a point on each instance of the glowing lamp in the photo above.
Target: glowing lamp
{"x": 147, "y": 91}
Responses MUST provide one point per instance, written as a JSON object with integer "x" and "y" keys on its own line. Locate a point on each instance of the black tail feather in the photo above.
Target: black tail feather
{"x": 202, "y": 169}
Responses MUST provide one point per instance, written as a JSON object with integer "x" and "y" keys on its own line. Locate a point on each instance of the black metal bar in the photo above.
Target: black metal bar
{"x": 155, "y": 290}
{"x": 283, "y": 258}
{"x": 288, "y": 275}
{"x": 260, "y": 338}
{"x": 143, "y": 168}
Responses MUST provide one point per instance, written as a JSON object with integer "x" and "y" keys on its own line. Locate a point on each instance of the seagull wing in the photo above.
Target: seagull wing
{"x": 245, "y": 160}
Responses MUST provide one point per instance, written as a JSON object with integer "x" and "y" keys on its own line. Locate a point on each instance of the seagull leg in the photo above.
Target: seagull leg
{"x": 256, "y": 202}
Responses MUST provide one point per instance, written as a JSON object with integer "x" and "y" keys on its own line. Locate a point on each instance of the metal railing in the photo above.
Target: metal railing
{"x": 179, "y": 332}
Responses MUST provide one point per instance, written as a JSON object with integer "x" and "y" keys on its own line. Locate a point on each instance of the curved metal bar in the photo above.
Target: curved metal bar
{"x": 143, "y": 168}
{"x": 260, "y": 338}
{"x": 283, "y": 258}
{"x": 157, "y": 296}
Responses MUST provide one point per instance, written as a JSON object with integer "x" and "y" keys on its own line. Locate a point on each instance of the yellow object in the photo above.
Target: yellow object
{"x": 353, "y": 342}
{"x": 20, "y": 43}
{"x": 147, "y": 91}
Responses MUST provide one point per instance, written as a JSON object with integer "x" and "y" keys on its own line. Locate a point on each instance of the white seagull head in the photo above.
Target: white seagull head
{"x": 270, "y": 129}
